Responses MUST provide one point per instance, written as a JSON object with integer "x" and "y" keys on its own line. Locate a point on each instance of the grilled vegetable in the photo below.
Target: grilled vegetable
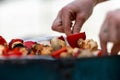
{"x": 57, "y": 43}
{"x": 2, "y": 41}
{"x": 16, "y": 43}
{"x": 73, "y": 39}
{"x": 29, "y": 44}
{"x": 56, "y": 54}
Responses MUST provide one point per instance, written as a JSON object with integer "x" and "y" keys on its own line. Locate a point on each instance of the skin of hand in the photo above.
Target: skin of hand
{"x": 78, "y": 12}
{"x": 110, "y": 32}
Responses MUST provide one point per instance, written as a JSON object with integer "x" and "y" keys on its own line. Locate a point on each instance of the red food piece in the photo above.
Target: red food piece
{"x": 56, "y": 54}
{"x": 100, "y": 53}
{"x": 14, "y": 52}
{"x": 29, "y": 44}
{"x": 61, "y": 37}
{"x": 76, "y": 54}
{"x": 3, "y": 41}
{"x": 73, "y": 39}
{"x": 14, "y": 40}
{"x": 5, "y": 50}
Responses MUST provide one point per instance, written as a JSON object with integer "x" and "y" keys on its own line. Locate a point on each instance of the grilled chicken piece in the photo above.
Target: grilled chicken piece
{"x": 57, "y": 43}
{"x": 88, "y": 44}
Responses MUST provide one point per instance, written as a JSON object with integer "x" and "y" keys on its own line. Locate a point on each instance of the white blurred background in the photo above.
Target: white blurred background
{"x": 29, "y": 18}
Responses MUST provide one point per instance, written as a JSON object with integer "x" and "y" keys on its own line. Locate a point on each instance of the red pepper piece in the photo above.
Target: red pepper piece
{"x": 100, "y": 53}
{"x": 29, "y": 44}
{"x": 3, "y": 41}
{"x": 13, "y": 41}
{"x": 5, "y": 50}
{"x": 56, "y": 54}
{"x": 61, "y": 37}
{"x": 73, "y": 39}
{"x": 14, "y": 52}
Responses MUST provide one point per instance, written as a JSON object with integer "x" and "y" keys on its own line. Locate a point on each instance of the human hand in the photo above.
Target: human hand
{"x": 78, "y": 11}
{"x": 110, "y": 32}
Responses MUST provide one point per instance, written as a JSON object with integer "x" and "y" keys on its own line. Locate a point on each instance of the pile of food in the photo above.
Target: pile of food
{"x": 75, "y": 45}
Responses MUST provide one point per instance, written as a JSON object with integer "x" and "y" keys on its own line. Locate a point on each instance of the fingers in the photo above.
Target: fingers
{"x": 104, "y": 36}
{"x": 78, "y": 24}
{"x": 103, "y": 45}
{"x": 67, "y": 21}
{"x": 115, "y": 49}
{"x": 110, "y": 32}
{"x": 57, "y": 24}
{"x": 103, "y": 39}
{"x": 63, "y": 22}
{"x": 115, "y": 33}
{"x": 113, "y": 36}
